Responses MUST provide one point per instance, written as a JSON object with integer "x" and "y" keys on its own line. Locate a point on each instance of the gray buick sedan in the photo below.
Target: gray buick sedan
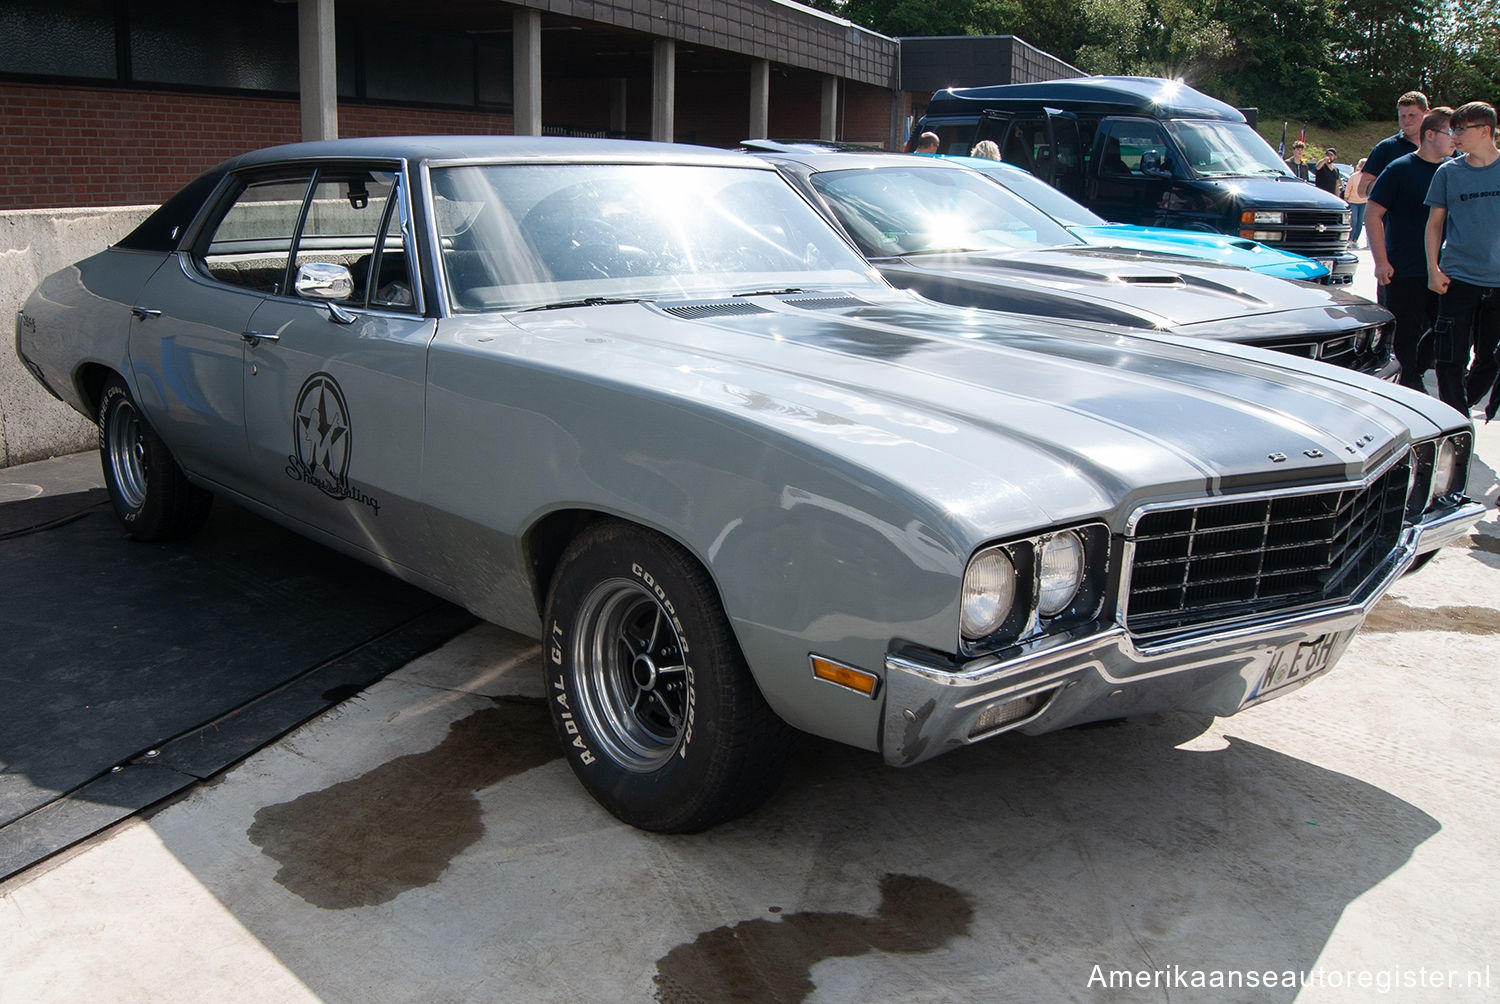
{"x": 643, "y": 402}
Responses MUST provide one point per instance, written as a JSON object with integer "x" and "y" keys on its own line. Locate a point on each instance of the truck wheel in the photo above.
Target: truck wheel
{"x": 655, "y": 708}
{"x": 150, "y": 494}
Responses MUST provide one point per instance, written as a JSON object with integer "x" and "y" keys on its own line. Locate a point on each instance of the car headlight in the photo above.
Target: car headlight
{"x": 1020, "y": 589}
{"x": 989, "y": 593}
{"x": 1059, "y": 573}
{"x": 1262, "y": 216}
{"x": 1264, "y": 236}
{"x": 1444, "y": 468}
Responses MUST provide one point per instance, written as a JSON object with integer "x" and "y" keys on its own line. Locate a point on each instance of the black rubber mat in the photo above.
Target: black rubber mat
{"x": 130, "y": 670}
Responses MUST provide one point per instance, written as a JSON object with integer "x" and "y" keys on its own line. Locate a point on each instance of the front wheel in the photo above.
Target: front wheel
{"x": 149, "y": 492}
{"x": 657, "y": 712}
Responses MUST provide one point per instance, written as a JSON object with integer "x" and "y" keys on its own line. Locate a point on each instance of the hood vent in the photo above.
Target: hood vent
{"x": 825, "y": 302}
{"x": 703, "y": 311}
{"x": 1172, "y": 281}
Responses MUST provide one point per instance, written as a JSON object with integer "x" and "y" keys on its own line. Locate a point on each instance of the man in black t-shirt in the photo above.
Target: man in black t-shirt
{"x": 1410, "y": 108}
{"x": 1396, "y": 221}
{"x": 1325, "y": 175}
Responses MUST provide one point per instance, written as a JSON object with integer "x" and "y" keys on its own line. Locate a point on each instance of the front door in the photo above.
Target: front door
{"x": 1134, "y": 171}
{"x": 334, "y": 388}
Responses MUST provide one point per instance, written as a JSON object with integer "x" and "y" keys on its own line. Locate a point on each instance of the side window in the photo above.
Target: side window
{"x": 351, "y": 221}
{"x": 250, "y": 244}
{"x": 1134, "y": 148}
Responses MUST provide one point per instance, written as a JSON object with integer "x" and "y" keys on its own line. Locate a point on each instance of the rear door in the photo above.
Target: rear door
{"x": 187, "y": 346}
{"x": 1066, "y": 160}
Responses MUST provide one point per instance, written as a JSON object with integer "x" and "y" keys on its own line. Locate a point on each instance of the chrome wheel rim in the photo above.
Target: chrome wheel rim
{"x": 126, "y": 444}
{"x": 632, "y": 679}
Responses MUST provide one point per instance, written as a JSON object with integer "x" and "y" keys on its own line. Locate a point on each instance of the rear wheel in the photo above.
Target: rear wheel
{"x": 149, "y": 492}
{"x": 656, "y": 710}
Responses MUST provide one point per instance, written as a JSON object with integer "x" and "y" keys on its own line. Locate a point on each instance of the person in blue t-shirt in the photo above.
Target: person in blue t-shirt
{"x": 1396, "y": 220}
{"x": 1463, "y": 259}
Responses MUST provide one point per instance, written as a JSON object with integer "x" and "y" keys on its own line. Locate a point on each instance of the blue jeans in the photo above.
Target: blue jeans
{"x": 1356, "y": 220}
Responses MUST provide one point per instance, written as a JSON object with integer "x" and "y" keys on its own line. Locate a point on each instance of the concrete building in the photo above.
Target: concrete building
{"x": 107, "y": 107}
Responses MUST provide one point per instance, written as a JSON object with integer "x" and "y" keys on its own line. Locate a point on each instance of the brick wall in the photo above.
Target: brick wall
{"x": 82, "y": 146}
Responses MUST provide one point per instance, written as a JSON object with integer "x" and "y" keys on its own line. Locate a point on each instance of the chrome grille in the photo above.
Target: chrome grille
{"x": 1229, "y": 559}
{"x": 1314, "y": 232}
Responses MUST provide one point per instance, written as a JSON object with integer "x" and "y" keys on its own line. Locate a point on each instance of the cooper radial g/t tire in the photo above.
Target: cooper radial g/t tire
{"x": 149, "y": 492}
{"x": 656, "y": 710}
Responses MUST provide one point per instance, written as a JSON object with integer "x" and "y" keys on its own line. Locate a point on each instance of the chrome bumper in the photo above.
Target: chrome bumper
{"x": 933, "y": 706}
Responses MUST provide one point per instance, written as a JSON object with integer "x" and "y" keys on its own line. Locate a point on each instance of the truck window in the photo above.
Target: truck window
{"x": 1135, "y": 148}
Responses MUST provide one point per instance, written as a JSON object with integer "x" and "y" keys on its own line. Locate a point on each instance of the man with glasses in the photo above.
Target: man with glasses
{"x": 1463, "y": 258}
{"x": 1396, "y": 219}
{"x": 1410, "y": 108}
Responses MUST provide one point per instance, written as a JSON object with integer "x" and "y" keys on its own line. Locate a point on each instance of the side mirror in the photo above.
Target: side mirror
{"x": 321, "y": 280}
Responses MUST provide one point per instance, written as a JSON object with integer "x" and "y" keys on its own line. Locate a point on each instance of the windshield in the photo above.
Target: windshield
{"x": 929, "y": 210}
{"x": 515, "y": 236}
{"x": 1216, "y": 149}
{"x": 1037, "y": 192}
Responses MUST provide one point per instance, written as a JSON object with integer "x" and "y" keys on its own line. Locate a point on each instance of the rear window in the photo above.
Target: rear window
{"x": 162, "y": 229}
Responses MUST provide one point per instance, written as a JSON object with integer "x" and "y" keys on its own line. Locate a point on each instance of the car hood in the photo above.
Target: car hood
{"x": 996, "y": 420}
{"x": 1160, "y": 292}
{"x": 1218, "y": 248}
{"x": 1279, "y": 192}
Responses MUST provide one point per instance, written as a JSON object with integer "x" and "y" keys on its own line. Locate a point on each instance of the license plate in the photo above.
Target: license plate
{"x": 1296, "y": 663}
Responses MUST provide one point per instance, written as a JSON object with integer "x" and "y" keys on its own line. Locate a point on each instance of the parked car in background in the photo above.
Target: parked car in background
{"x": 1093, "y": 229}
{"x": 1096, "y": 231}
{"x": 952, "y": 234}
{"x": 643, "y": 403}
{"x": 1152, "y": 152}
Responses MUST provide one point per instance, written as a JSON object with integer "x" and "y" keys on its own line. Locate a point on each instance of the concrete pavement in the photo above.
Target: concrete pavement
{"x": 423, "y": 842}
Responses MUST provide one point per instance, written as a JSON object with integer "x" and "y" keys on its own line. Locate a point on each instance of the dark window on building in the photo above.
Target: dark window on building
{"x": 495, "y": 71}
{"x": 243, "y": 46}
{"x": 58, "y": 38}
{"x": 404, "y": 63}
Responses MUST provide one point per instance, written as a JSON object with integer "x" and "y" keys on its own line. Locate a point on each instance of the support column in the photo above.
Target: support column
{"x": 760, "y": 99}
{"x": 663, "y": 88}
{"x": 316, "y": 70}
{"x": 526, "y": 59}
{"x": 828, "y": 116}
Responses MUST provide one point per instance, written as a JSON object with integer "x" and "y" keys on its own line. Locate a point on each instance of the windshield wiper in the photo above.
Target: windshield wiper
{"x": 773, "y": 291}
{"x": 920, "y": 251}
{"x": 588, "y": 301}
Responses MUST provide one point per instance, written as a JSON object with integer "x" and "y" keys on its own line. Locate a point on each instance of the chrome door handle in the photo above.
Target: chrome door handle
{"x": 144, "y": 312}
{"x": 254, "y": 338}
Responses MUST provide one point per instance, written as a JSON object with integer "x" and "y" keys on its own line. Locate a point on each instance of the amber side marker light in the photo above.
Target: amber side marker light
{"x": 857, "y": 680}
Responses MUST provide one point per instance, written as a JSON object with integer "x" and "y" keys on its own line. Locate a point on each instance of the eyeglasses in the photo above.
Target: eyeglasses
{"x": 1473, "y": 125}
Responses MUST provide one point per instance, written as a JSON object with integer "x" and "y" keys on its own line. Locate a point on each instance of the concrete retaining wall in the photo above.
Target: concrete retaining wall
{"x": 35, "y": 243}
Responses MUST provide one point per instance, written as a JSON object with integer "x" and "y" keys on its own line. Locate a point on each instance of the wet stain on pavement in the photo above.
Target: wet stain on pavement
{"x": 772, "y": 960}
{"x": 1391, "y": 615}
{"x": 365, "y": 841}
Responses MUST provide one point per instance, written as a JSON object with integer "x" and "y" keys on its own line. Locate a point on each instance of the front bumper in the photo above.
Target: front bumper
{"x": 933, "y": 706}
{"x": 1341, "y": 267}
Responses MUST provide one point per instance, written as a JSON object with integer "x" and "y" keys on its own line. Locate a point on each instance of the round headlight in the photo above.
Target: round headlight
{"x": 989, "y": 592}
{"x": 1444, "y": 468}
{"x": 1060, "y": 567}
